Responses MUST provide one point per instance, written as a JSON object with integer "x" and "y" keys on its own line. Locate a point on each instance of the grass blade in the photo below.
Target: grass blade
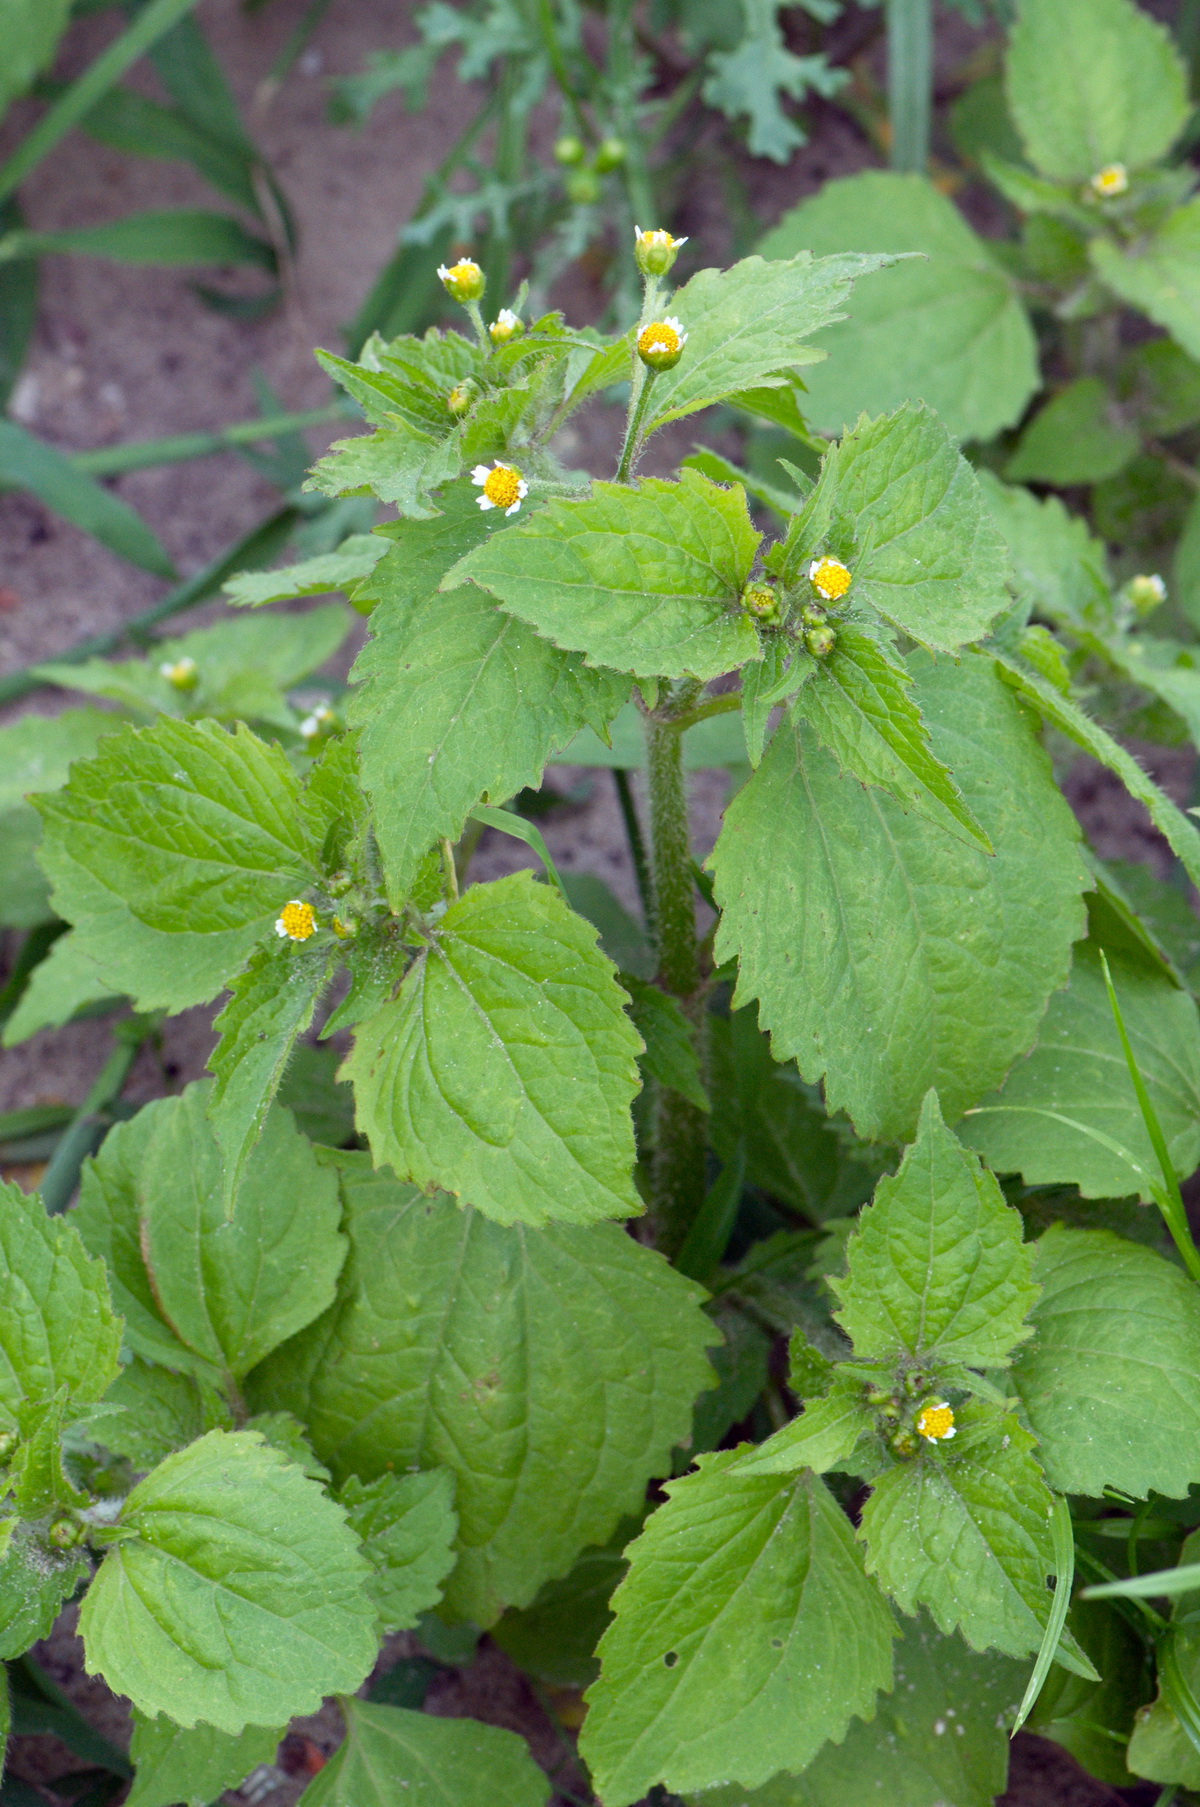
{"x": 1165, "y": 1582}
{"x": 1176, "y": 1690}
{"x": 111, "y": 460}
{"x": 910, "y": 81}
{"x": 1064, "y": 1564}
{"x": 509, "y": 823}
{"x": 168, "y": 235}
{"x": 30, "y": 464}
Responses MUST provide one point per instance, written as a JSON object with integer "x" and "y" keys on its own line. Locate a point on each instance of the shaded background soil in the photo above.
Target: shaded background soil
{"x": 128, "y": 354}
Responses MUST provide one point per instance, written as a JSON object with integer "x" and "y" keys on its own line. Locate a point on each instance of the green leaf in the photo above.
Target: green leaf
{"x": 201, "y": 1288}
{"x": 749, "y": 80}
{"x": 936, "y": 1269}
{"x": 780, "y": 672}
{"x": 1092, "y": 82}
{"x": 844, "y": 911}
{"x": 407, "y": 1526}
{"x": 947, "y": 327}
{"x": 399, "y": 464}
{"x": 1110, "y": 1381}
{"x": 58, "y": 1331}
{"x": 184, "y": 235}
{"x": 555, "y": 1638}
{"x": 140, "y": 127}
{"x": 322, "y": 1105}
{"x": 31, "y": 33}
{"x": 964, "y": 1529}
{"x": 824, "y": 1436}
{"x": 29, "y": 463}
{"x": 34, "y": 1582}
{"x": 197, "y": 1766}
{"x": 159, "y": 1412}
{"x": 65, "y": 981}
{"x": 858, "y": 702}
{"x": 671, "y": 1055}
{"x": 392, "y": 1754}
{"x": 273, "y": 1004}
{"x": 749, "y": 327}
{"x": 905, "y": 512}
{"x": 1159, "y": 275}
{"x": 173, "y": 851}
{"x": 645, "y": 580}
{"x": 504, "y": 1070}
{"x": 1077, "y": 437}
{"x": 528, "y": 1402}
{"x": 938, "y": 1740}
{"x": 1059, "y": 569}
{"x": 354, "y": 560}
{"x": 1069, "y": 1115}
{"x": 766, "y": 1567}
{"x": 242, "y": 665}
{"x": 458, "y": 702}
{"x": 236, "y": 1595}
{"x": 36, "y": 751}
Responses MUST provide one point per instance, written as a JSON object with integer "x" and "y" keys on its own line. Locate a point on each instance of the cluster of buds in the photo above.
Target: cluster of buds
{"x": 902, "y": 1430}
{"x": 655, "y": 251}
{"x": 583, "y": 183}
{"x": 181, "y": 674}
{"x": 660, "y": 345}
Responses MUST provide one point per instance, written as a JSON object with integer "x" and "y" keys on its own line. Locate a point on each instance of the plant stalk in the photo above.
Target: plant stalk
{"x": 93, "y": 1120}
{"x": 910, "y": 82}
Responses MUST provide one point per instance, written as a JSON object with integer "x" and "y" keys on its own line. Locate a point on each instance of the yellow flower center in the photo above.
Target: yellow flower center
{"x": 503, "y": 486}
{"x": 936, "y": 1422}
{"x": 830, "y": 579}
{"x": 1113, "y": 179}
{"x": 658, "y": 336}
{"x": 659, "y": 236}
{"x": 465, "y": 271}
{"x": 297, "y": 921}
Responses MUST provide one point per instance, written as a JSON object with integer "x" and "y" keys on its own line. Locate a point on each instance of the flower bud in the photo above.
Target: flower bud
{"x": 463, "y": 281}
{"x": 813, "y": 616}
{"x": 1111, "y": 181}
{"x": 569, "y": 149}
{"x": 317, "y": 727}
{"x": 660, "y": 345}
{"x": 64, "y": 1534}
{"x": 505, "y": 326}
{"x": 583, "y": 187}
{"x": 181, "y": 674}
{"x": 463, "y": 396}
{"x": 904, "y": 1444}
{"x": 610, "y": 155}
{"x": 655, "y": 250}
{"x": 1146, "y": 592}
{"x": 820, "y": 641}
{"x": 761, "y": 601}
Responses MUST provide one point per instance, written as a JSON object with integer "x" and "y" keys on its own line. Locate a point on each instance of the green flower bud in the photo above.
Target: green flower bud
{"x": 610, "y": 155}
{"x": 181, "y": 674}
{"x": 569, "y": 150}
{"x": 463, "y": 281}
{"x": 1146, "y": 592}
{"x": 64, "y": 1534}
{"x": 820, "y": 641}
{"x": 655, "y": 251}
{"x": 904, "y": 1444}
{"x": 505, "y": 326}
{"x": 463, "y": 396}
{"x": 660, "y": 345}
{"x": 583, "y": 187}
{"x": 761, "y": 601}
{"x": 812, "y": 616}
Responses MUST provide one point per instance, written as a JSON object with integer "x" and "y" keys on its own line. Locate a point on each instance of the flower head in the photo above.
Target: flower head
{"x": 1146, "y": 591}
{"x": 655, "y": 250}
{"x": 660, "y": 345}
{"x": 505, "y": 326}
{"x": 935, "y": 1422}
{"x": 829, "y": 577}
{"x": 321, "y": 721}
{"x": 761, "y": 601}
{"x": 296, "y": 921}
{"x": 463, "y": 281}
{"x": 181, "y": 674}
{"x": 1110, "y": 181}
{"x": 503, "y": 486}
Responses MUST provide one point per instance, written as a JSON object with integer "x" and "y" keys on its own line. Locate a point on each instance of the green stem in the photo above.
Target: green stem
{"x": 639, "y": 395}
{"x": 678, "y": 1176}
{"x": 562, "y": 74}
{"x": 93, "y": 1119}
{"x": 910, "y": 81}
{"x": 622, "y": 75}
{"x": 637, "y": 845}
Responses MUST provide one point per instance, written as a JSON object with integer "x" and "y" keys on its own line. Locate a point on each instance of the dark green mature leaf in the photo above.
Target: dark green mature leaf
{"x": 1069, "y": 1114}
{"x": 160, "y": 1411}
{"x": 946, "y": 327}
{"x": 407, "y": 1526}
{"x": 1111, "y": 1381}
{"x": 202, "y": 1289}
{"x": 29, "y": 463}
{"x": 1078, "y": 436}
{"x": 844, "y": 911}
{"x": 504, "y": 1070}
{"x": 858, "y": 702}
{"x": 459, "y": 702}
{"x": 391, "y": 1754}
{"x": 36, "y": 751}
{"x": 399, "y": 464}
{"x": 34, "y": 1582}
{"x": 58, "y": 1331}
{"x": 671, "y": 1055}
{"x": 555, "y": 1638}
{"x": 1092, "y": 82}
{"x": 964, "y": 1529}
{"x": 64, "y": 982}
{"x": 749, "y": 327}
{"x": 644, "y": 580}
{"x": 1160, "y": 275}
{"x": 507, "y": 1357}
{"x": 936, "y": 1268}
{"x": 764, "y": 1567}
{"x": 172, "y": 851}
{"x": 193, "y": 1767}
{"x": 237, "y": 1595}
{"x": 272, "y": 1005}
{"x": 938, "y": 1740}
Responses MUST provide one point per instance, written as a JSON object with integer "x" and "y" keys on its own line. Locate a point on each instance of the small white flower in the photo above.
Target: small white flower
{"x": 181, "y": 674}
{"x": 505, "y": 326}
{"x": 503, "y": 486}
{"x": 321, "y": 718}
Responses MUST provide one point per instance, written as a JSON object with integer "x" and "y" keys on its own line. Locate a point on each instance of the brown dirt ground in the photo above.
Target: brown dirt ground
{"x": 127, "y": 354}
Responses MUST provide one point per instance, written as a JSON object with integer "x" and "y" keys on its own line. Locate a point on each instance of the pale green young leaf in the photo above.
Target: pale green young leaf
{"x": 201, "y": 1288}
{"x": 750, "y": 326}
{"x": 36, "y": 751}
{"x": 419, "y": 553}
{"x": 1093, "y": 82}
{"x": 504, "y": 1070}
{"x": 1159, "y": 275}
{"x": 936, "y": 1268}
{"x": 964, "y": 1529}
{"x": 272, "y": 1005}
{"x": 353, "y": 560}
{"x": 391, "y": 1754}
{"x": 824, "y": 1436}
{"x": 160, "y": 1411}
{"x": 762, "y": 1565}
{"x": 845, "y": 911}
{"x": 946, "y": 327}
{"x": 58, "y": 1331}
{"x": 178, "y": 1768}
{"x": 858, "y": 701}
{"x": 1111, "y": 1381}
{"x": 529, "y": 1403}
{"x": 671, "y": 1056}
{"x": 407, "y": 1526}
{"x": 34, "y": 1582}
{"x": 459, "y": 702}
{"x": 1062, "y": 713}
{"x": 939, "y": 1739}
{"x": 644, "y": 580}
{"x": 1068, "y": 1115}
{"x": 1078, "y": 436}
{"x": 770, "y": 681}
{"x": 1059, "y": 568}
{"x": 237, "y": 1596}
{"x": 400, "y": 465}
{"x": 64, "y": 982}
